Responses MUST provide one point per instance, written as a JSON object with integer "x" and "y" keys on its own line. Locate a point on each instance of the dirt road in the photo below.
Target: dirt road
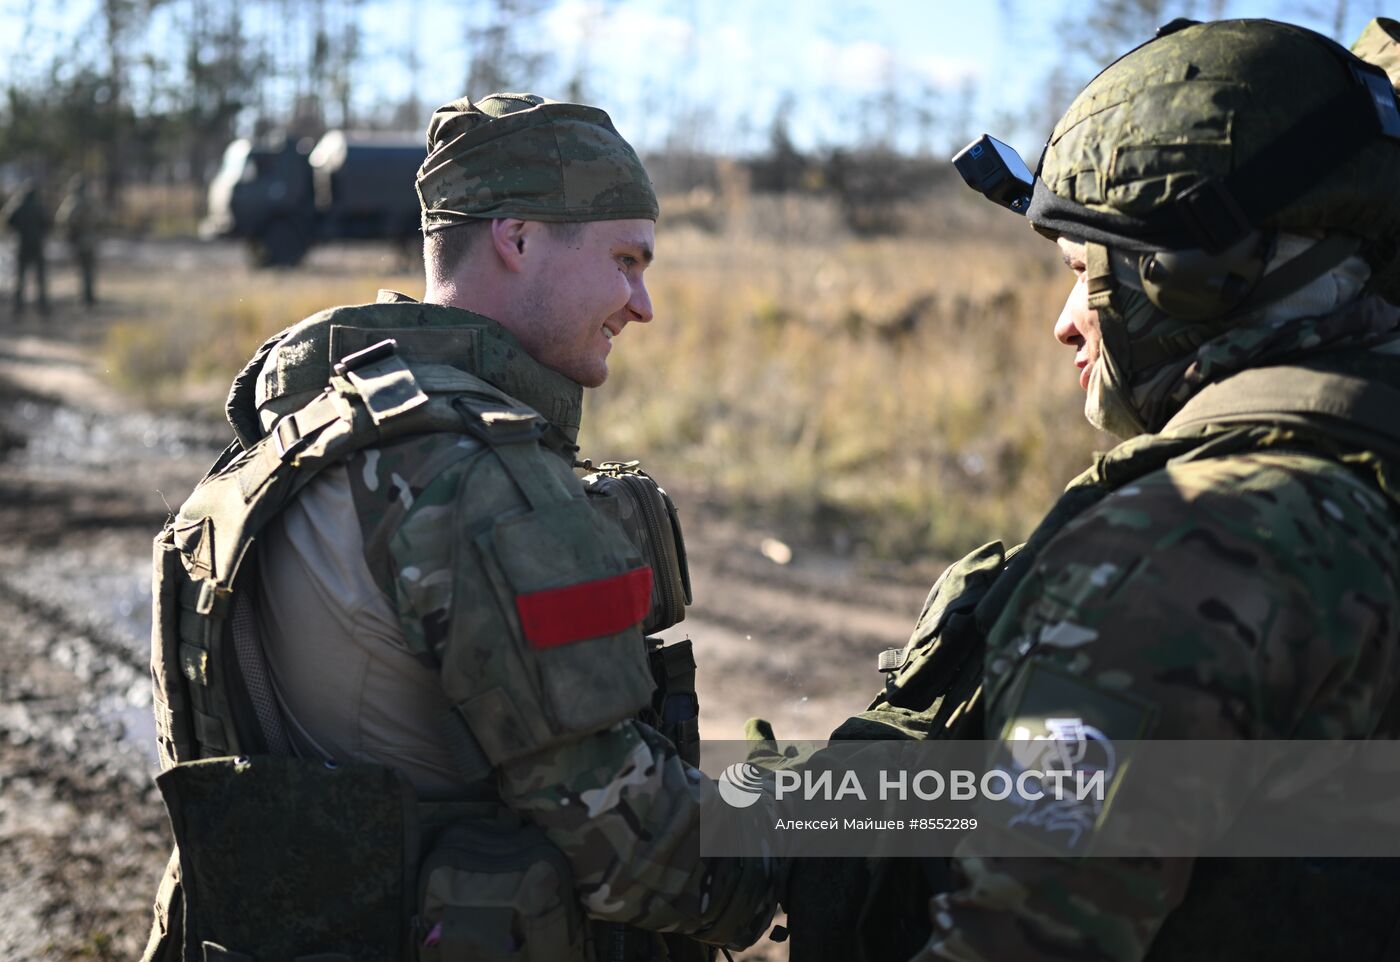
{"x": 85, "y": 480}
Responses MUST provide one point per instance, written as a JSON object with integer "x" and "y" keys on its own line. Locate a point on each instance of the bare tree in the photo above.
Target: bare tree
{"x": 499, "y": 59}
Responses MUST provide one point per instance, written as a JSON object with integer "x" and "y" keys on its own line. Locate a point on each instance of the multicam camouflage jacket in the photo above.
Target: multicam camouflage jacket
{"x": 527, "y": 603}
{"x": 1236, "y": 576}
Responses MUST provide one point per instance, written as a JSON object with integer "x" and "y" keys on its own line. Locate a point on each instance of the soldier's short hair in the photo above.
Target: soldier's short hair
{"x": 446, "y": 249}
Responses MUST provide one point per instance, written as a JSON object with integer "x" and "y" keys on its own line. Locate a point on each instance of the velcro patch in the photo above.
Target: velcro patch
{"x": 558, "y": 616}
{"x": 1073, "y": 740}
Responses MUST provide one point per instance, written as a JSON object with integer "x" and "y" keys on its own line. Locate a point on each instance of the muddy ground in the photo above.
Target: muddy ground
{"x": 86, "y": 478}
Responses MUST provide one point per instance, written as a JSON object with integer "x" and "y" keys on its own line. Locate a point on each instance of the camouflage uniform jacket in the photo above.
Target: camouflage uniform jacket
{"x": 77, "y": 218}
{"x": 478, "y": 548}
{"x": 1239, "y": 581}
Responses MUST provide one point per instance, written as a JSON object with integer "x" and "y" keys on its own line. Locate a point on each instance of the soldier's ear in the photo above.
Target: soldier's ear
{"x": 508, "y": 239}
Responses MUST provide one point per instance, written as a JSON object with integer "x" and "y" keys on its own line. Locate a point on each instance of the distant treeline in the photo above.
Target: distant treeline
{"x": 148, "y": 93}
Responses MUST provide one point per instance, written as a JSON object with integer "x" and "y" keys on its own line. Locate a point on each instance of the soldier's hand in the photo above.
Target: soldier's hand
{"x": 765, "y": 752}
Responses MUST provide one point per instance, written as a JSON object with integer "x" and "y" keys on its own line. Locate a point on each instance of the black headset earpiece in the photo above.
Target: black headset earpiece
{"x": 1196, "y": 286}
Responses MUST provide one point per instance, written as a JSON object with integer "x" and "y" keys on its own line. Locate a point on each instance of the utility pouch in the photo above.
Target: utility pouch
{"x": 675, "y": 708}
{"x": 284, "y": 859}
{"x": 649, "y": 517}
{"x": 933, "y": 685}
{"x": 497, "y": 891}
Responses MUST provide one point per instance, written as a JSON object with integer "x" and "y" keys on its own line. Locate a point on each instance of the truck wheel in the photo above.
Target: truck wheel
{"x": 283, "y": 244}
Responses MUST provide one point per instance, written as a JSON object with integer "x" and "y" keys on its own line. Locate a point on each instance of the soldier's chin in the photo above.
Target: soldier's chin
{"x": 1104, "y": 409}
{"x": 592, "y": 375}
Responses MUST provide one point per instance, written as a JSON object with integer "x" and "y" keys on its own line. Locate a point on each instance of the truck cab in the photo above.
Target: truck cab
{"x": 285, "y": 196}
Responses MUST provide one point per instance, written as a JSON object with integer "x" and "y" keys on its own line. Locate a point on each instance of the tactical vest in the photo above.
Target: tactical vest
{"x": 293, "y": 858}
{"x": 841, "y": 909}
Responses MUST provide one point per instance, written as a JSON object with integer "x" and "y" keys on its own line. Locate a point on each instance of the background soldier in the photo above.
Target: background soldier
{"x": 24, "y": 214}
{"x": 77, "y": 219}
{"x": 440, "y": 599}
{"x": 1225, "y": 197}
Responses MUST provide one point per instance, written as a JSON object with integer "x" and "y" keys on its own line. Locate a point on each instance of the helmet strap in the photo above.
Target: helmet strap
{"x": 1113, "y": 409}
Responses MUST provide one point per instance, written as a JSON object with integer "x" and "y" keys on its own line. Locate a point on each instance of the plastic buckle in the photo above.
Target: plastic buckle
{"x": 891, "y": 659}
{"x": 287, "y": 437}
{"x": 513, "y": 425}
{"x": 371, "y": 354}
{"x": 1213, "y": 215}
{"x": 497, "y": 424}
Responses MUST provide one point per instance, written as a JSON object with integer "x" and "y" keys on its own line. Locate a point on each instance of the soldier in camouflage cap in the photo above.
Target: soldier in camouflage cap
{"x": 442, "y": 598}
{"x": 519, "y": 155}
{"x": 1225, "y": 197}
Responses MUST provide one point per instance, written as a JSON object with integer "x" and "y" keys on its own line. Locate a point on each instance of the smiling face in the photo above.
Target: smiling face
{"x": 1078, "y": 326}
{"x": 586, "y": 286}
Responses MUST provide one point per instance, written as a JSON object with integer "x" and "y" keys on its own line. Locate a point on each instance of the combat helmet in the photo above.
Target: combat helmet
{"x": 1214, "y": 174}
{"x": 1199, "y": 140}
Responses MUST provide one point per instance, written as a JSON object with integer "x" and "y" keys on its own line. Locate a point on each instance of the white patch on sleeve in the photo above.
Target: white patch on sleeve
{"x": 601, "y": 902}
{"x": 600, "y": 800}
{"x": 1101, "y": 575}
{"x": 404, "y": 494}
{"x": 371, "y": 479}
{"x": 411, "y": 573}
{"x": 1066, "y": 634}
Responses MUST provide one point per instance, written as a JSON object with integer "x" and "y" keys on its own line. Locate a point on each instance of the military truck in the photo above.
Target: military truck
{"x": 284, "y": 196}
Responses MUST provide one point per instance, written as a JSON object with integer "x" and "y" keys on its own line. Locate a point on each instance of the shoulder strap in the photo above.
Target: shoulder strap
{"x": 1358, "y": 409}
{"x": 373, "y": 399}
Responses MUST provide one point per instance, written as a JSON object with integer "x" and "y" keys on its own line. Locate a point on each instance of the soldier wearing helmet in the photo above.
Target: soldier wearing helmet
{"x": 404, "y": 700}
{"x": 1225, "y": 196}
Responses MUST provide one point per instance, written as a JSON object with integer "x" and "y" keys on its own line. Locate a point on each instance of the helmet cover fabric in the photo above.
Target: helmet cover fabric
{"x": 1196, "y": 105}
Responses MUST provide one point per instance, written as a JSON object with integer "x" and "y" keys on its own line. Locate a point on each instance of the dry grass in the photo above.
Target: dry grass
{"x": 184, "y": 349}
{"x": 895, "y": 398}
{"x": 160, "y": 210}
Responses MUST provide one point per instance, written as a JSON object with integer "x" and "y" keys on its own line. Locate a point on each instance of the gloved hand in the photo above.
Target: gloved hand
{"x": 765, "y": 752}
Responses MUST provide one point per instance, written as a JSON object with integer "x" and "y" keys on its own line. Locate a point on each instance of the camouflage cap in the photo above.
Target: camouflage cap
{"x": 521, "y": 155}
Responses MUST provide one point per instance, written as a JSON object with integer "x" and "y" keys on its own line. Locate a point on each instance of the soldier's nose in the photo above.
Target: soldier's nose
{"x": 1066, "y": 327}
{"x": 639, "y": 304}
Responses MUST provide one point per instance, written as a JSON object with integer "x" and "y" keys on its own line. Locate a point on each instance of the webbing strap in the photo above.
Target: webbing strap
{"x": 1299, "y": 395}
{"x": 540, "y": 488}
{"x": 387, "y": 387}
{"x": 514, "y": 435}
{"x": 257, "y": 677}
{"x": 210, "y": 732}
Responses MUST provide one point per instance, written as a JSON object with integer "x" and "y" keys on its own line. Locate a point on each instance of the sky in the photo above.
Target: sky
{"x": 961, "y": 67}
{"x": 740, "y": 60}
